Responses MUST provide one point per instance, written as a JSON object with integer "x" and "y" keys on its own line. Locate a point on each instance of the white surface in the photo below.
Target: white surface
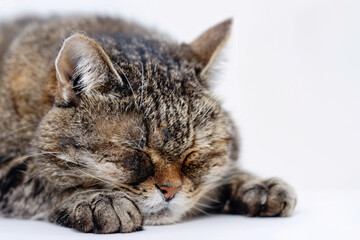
{"x": 319, "y": 215}
{"x": 292, "y": 83}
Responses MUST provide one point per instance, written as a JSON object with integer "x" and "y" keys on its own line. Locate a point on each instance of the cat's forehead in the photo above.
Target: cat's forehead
{"x": 174, "y": 120}
{"x": 157, "y": 76}
{"x": 146, "y": 62}
{"x": 166, "y": 123}
{"x": 170, "y": 133}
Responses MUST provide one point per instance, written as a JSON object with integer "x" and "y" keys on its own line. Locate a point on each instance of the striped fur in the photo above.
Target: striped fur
{"x": 97, "y": 113}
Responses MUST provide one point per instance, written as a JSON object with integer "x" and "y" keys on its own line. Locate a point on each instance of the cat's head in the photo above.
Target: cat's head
{"x": 134, "y": 113}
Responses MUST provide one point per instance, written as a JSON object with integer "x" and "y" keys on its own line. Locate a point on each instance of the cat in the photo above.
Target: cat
{"x": 106, "y": 126}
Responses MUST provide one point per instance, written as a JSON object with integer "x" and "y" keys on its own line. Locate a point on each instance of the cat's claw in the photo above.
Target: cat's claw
{"x": 102, "y": 213}
{"x": 264, "y": 198}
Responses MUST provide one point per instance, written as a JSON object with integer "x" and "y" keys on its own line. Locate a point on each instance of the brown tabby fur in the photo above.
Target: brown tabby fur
{"x": 93, "y": 126}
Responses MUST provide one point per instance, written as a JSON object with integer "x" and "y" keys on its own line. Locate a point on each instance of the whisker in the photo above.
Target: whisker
{"x": 202, "y": 118}
{"x": 203, "y": 106}
{"x": 16, "y": 130}
{"x": 200, "y": 210}
{"x": 97, "y": 178}
{"x": 205, "y": 205}
{"x": 142, "y": 83}
{"x": 84, "y": 192}
{"x": 132, "y": 90}
{"x": 211, "y": 199}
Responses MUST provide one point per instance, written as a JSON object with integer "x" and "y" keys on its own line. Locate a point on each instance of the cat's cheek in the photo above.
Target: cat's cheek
{"x": 192, "y": 171}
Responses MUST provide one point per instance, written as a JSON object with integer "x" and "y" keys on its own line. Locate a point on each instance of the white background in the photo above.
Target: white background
{"x": 290, "y": 78}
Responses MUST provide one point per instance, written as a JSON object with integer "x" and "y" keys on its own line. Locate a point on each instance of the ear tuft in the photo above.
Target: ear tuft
{"x": 207, "y": 45}
{"x": 81, "y": 64}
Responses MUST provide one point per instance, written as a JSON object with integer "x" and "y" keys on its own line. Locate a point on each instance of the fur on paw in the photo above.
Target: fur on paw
{"x": 265, "y": 198}
{"x": 101, "y": 213}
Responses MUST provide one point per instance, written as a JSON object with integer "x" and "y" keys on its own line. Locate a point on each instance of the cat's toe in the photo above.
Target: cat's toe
{"x": 83, "y": 219}
{"x": 105, "y": 218}
{"x": 265, "y": 198}
{"x": 281, "y": 198}
{"x": 129, "y": 214}
{"x": 249, "y": 199}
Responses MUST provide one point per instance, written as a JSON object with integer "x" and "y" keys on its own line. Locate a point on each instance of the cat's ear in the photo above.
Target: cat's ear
{"x": 207, "y": 45}
{"x": 81, "y": 65}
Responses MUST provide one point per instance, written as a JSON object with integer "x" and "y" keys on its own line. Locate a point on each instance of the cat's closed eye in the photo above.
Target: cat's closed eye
{"x": 136, "y": 164}
{"x": 191, "y": 157}
{"x": 192, "y": 165}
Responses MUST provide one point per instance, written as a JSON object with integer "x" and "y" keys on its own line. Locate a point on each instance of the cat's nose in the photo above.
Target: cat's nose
{"x": 168, "y": 191}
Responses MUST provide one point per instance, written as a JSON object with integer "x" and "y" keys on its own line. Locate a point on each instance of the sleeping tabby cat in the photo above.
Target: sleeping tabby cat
{"x": 106, "y": 126}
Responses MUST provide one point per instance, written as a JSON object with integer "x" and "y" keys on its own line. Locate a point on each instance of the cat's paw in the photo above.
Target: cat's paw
{"x": 101, "y": 213}
{"x": 264, "y": 198}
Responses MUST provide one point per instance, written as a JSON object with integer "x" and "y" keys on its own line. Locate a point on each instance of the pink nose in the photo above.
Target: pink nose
{"x": 169, "y": 192}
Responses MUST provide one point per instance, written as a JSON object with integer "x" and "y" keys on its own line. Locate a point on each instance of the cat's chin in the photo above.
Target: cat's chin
{"x": 162, "y": 217}
{"x": 163, "y": 214}
{"x": 157, "y": 211}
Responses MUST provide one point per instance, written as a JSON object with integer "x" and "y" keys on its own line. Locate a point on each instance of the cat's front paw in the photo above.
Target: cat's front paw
{"x": 101, "y": 213}
{"x": 264, "y": 198}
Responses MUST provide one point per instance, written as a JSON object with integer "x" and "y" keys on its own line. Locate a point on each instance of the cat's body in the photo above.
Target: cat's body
{"x": 115, "y": 127}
